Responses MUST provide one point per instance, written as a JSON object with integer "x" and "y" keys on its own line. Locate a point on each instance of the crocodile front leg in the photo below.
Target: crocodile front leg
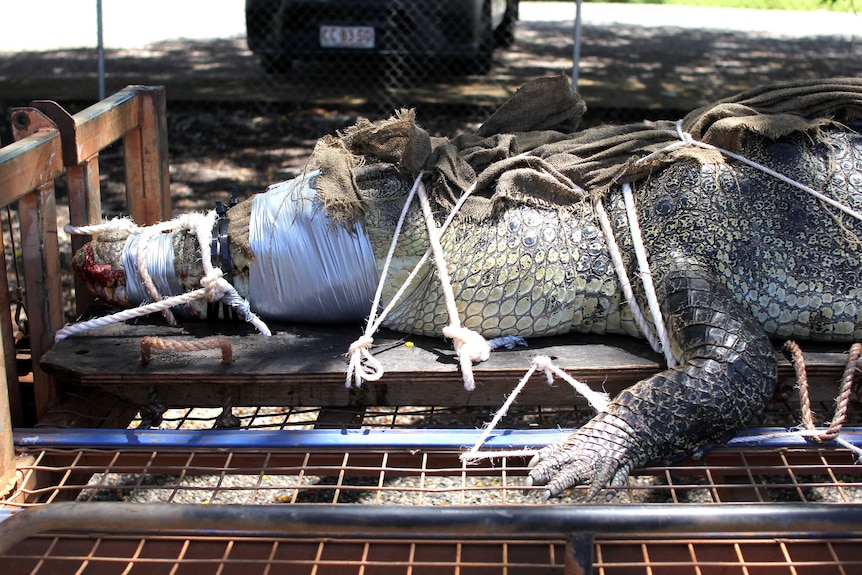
{"x": 726, "y": 374}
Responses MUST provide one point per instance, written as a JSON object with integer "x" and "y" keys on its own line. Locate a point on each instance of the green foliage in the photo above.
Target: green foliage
{"x": 832, "y": 5}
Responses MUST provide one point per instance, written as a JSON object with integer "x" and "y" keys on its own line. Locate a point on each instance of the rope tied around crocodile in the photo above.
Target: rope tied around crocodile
{"x": 659, "y": 340}
{"x": 530, "y": 150}
{"x": 214, "y": 286}
{"x": 469, "y": 346}
{"x": 544, "y": 364}
{"x": 686, "y": 139}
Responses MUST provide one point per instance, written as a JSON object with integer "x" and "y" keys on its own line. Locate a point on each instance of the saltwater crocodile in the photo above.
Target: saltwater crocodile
{"x": 738, "y": 257}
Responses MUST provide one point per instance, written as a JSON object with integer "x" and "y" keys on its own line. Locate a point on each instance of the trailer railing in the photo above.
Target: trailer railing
{"x": 50, "y": 144}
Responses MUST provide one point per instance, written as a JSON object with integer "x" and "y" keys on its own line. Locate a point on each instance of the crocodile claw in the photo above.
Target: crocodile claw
{"x": 601, "y": 457}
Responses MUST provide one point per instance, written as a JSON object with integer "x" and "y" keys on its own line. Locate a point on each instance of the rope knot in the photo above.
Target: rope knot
{"x": 544, "y": 364}
{"x": 363, "y": 366}
{"x": 470, "y": 347}
{"x": 361, "y": 344}
{"x": 215, "y": 285}
{"x": 467, "y": 341}
{"x": 685, "y": 137}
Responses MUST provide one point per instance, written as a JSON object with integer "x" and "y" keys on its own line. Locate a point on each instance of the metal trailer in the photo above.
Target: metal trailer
{"x": 113, "y": 466}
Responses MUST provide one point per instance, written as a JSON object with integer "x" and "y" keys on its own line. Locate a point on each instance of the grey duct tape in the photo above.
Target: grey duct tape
{"x": 160, "y": 264}
{"x": 306, "y": 268}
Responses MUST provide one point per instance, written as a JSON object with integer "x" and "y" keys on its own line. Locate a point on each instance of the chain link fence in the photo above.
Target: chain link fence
{"x": 252, "y": 84}
{"x": 458, "y": 36}
{"x": 392, "y": 54}
{"x": 382, "y": 52}
{"x": 386, "y": 54}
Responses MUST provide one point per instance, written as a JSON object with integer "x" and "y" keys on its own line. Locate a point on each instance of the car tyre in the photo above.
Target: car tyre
{"x": 276, "y": 65}
{"x": 504, "y": 35}
{"x": 481, "y": 62}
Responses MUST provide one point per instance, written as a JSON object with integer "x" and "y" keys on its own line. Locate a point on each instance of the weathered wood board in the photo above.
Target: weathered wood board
{"x": 306, "y": 365}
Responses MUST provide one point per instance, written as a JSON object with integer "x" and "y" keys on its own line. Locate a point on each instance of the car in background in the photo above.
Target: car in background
{"x": 464, "y": 32}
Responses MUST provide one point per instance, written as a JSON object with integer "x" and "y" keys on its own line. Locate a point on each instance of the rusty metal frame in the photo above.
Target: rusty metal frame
{"x": 579, "y": 524}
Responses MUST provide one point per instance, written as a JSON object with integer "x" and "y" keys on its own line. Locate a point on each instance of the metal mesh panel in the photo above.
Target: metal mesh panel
{"x": 105, "y": 553}
{"x": 422, "y": 478}
{"x": 358, "y": 464}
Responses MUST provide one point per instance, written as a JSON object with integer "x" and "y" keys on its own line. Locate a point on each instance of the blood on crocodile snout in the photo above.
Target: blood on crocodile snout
{"x": 87, "y": 268}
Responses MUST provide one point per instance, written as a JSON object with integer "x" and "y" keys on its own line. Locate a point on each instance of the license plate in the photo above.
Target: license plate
{"x": 347, "y": 37}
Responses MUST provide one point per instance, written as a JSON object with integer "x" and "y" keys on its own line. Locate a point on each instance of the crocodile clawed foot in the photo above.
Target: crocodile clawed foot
{"x": 580, "y": 460}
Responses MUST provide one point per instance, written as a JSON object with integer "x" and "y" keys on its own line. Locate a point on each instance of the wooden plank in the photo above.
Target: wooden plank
{"x": 146, "y": 160}
{"x": 133, "y": 165}
{"x": 154, "y": 138}
{"x": 306, "y": 365}
{"x": 40, "y": 254}
{"x": 105, "y": 122}
{"x": 85, "y": 207}
{"x": 27, "y": 164}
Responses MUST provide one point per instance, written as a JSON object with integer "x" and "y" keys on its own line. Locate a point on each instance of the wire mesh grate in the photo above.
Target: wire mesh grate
{"x": 289, "y": 455}
{"x": 105, "y": 553}
{"x": 261, "y": 475}
{"x": 201, "y": 555}
{"x": 185, "y": 461}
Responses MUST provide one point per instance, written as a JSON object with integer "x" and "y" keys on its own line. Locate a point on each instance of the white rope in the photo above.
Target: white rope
{"x": 614, "y": 250}
{"x": 127, "y": 314}
{"x": 114, "y": 225}
{"x": 472, "y": 457}
{"x": 686, "y": 139}
{"x": 816, "y": 432}
{"x": 362, "y": 365}
{"x": 598, "y": 400}
{"x": 857, "y": 451}
{"x": 646, "y": 276}
{"x": 215, "y": 287}
{"x": 501, "y": 413}
{"x": 470, "y": 346}
{"x": 400, "y": 293}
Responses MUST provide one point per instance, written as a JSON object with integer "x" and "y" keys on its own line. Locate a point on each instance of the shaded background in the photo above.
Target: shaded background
{"x": 231, "y": 124}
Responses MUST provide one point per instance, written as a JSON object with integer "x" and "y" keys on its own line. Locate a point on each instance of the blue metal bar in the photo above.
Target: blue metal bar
{"x": 299, "y": 439}
{"x": 340, "y": 439}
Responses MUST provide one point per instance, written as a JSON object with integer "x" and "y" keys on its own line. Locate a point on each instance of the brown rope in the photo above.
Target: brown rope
{"x": 149, "y": 343}
{"x": 792, "y": 349}
{"x": 846, "y": 390}
{"x": 795, "y": 354}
